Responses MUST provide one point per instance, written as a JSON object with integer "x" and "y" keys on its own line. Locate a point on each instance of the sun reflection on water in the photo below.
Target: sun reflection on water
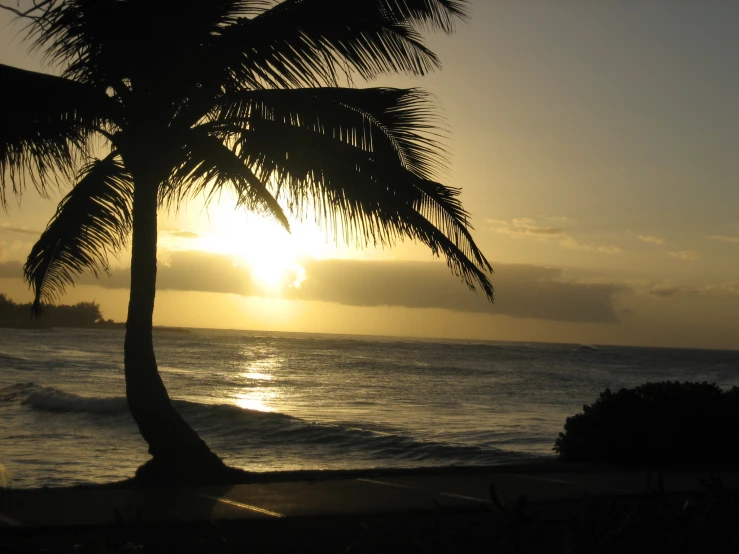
{"x": 256, "y": 376}
{"x": 256, "y": 393}
{"x": 252, "y": 401}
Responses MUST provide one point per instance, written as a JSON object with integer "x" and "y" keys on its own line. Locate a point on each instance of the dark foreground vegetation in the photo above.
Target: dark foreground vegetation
{"x": 665, "y": 424}
{"x": 82, "y": 314}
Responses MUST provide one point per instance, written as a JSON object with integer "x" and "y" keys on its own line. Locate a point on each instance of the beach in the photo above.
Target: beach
{"x": 523, "y": 508}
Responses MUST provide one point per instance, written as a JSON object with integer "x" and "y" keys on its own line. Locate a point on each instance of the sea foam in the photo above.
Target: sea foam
{"x": 53, "y": 399}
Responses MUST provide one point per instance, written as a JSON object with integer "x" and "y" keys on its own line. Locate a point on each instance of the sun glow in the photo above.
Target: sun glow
{"x": 273, "y": 260}
{"x": 272, "y": 254}
{"x": 264, "y": 246}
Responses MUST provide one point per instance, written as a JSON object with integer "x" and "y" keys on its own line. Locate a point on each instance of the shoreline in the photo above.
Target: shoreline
{"x": 543, "y": 466}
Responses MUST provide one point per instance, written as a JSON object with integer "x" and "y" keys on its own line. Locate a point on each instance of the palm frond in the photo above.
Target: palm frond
{"x": 400, "y": 124}
{"x": 46, "y": 124}
{"x": 104, "y": 42}
{"x": 208, "y": 166}
{"x": 312, "y": 42}
{"x": 364, "y": 197}
{"x": 93, "y": 220}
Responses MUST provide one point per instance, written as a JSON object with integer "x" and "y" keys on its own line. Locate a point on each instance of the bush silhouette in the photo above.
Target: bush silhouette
{"x": 668, "y": 422}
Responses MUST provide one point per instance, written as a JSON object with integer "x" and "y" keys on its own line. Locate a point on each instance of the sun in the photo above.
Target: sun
{"x": 263, "y": 245}
{"x": 275, "y": 259}
{"x": 272, "y": 255}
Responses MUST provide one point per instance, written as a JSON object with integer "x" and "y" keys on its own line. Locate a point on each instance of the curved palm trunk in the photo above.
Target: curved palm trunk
{"x": 178, "y": 452}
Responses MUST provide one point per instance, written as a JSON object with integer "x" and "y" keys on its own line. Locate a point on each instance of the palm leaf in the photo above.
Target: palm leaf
{"x": 108, "y": 42}
{"x": 209, "y": 166}
{"x": 364, "y": 197}
{"x": 384, "y": 135}
{"x": 311, "y": 42}
{"x": 45, "y": 128}
{"x": 402, "y": 124}
{"x": 93, "y": 220}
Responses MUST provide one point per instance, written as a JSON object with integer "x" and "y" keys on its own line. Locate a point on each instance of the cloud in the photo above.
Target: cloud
{"x": 20, "y": 230}
{"x": 569, "y": 242}
{"x": 524, "y": 227}
{"x": 17, "y": 249}
{"x": 521, "y": 227}
{"x": 558, "y": 218}
{"x": 189, "y": 271}
{"x": 651, "y": 240}
{"x": 666, "y": 291}
{"x": 11, "y": 270}
{"x": 184, "y": 271}
{"x": 729, "y": 289}
{"x": 724, "y": 289}
{"x": 522, "y": 291}
{"x": 184, "y": 234}
{"x": 686, "y": 255}
{"x": 726, "y": 238}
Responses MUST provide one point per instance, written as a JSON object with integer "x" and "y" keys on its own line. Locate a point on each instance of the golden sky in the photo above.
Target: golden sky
{"x": 596, "y": 144}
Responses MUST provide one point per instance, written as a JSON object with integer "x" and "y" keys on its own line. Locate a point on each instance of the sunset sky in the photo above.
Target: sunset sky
{"x": 597, "y": 146}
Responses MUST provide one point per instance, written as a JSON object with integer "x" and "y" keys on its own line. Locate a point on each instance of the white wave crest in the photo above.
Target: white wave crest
{"x": 53, "y": 399}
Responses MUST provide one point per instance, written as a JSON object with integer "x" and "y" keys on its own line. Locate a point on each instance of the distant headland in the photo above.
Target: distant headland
{"x": 82, "y": 314}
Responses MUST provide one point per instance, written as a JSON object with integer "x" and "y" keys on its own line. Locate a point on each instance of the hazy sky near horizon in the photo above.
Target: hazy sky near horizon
{"x": 597, "y": 146}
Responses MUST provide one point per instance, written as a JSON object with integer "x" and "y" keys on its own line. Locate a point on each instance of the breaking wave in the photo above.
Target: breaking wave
{"x": 233, "y": 424}
{"x": 57, "y": 400}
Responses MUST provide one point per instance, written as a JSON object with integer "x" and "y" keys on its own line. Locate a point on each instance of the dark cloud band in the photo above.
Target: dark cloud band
{"x": 522, "y": 291}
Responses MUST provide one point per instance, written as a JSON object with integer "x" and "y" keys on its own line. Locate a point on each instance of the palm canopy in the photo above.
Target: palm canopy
{"x": 201, "y": 95}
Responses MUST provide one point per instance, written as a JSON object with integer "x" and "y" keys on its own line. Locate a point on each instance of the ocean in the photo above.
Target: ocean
{"x": 269, "y": 401}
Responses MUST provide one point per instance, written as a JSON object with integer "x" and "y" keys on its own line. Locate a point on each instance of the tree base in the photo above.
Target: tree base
{"x": 188, "y": 471}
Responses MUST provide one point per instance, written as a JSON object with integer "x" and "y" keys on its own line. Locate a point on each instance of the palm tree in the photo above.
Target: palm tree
{"x": 190, "y": 97}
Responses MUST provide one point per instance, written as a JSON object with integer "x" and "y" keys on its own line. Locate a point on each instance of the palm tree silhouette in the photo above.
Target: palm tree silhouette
{"x": 190, "y": 97}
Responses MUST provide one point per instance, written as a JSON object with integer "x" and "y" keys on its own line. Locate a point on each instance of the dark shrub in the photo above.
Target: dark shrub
{"x": 666, "y": 423}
